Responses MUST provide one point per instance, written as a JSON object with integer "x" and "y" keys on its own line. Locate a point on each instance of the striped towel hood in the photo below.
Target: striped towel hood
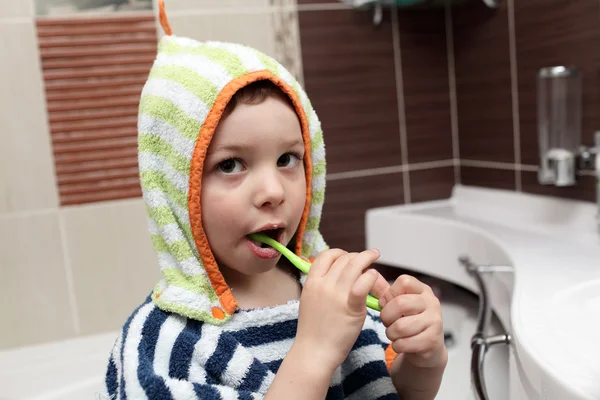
{"x": 189, "y": 85}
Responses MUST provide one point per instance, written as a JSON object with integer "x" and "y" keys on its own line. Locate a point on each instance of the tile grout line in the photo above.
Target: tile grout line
{"x": 489, "y": 164}
{"x": 514, "y": 83}
{"x": 400, "y": 101}
{"x": 45, "y": 211}
{"x": 29, "y": 213}
{"x": 390, "y": 170}
{"x": 364, "y": 173}
{"x": 430, "y": 165}
{"x": 457, "y": 166}
{"x": 69, "y": 273}
{"x": 452, "y": 93}
{"x": 499, "y": 165}
{"x": 527, "y": 168}
{"x": 17, "y": 20}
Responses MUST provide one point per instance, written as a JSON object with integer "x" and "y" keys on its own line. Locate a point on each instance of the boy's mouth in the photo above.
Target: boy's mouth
{"x": 264, "y": 251}
{"x": 275, "y": 233}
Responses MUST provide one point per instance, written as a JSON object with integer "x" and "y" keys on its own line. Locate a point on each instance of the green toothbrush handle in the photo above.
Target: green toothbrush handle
{"x": 373, "y": 303}
{"x": 302, "y": 265}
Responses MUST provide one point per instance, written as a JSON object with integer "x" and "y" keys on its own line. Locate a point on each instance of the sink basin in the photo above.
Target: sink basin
{"x": 583, "y": 299}
{"x": 577, "y": 309}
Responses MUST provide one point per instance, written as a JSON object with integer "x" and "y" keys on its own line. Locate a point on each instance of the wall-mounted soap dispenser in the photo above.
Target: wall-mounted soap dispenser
{"x": 559, "y": 101}
{"x": 559, "y": 124}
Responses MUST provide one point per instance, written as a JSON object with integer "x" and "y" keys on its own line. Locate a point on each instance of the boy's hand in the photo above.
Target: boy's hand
{"x": 413, "y": 318}
{"x": 333, "y": 305}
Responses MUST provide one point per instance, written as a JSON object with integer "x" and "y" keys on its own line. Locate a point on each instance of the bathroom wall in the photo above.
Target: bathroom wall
{"x": 496, "y": 58}
{"x": 382, "y": 94}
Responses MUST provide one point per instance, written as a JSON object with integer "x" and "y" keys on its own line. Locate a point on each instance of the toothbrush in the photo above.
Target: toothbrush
{"x": 302, "y": 265}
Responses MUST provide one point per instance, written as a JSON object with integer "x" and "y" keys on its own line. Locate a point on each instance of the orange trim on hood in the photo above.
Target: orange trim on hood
{"x": 228, "y": 302}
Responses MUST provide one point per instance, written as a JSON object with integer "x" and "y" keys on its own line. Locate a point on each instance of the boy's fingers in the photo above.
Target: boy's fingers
{"x": 404, "y": 284}
{"x": 356, "y": 266}
{"x": 408, "y": 284}
{"x": 406, "y": 327}
{"x": 361, "y": 288}
{"x": 324, "y": 261}
{"x": 406, "y": 304}
{"x": 424, "y": 342}
{"x": 380, "y": 286}
{"x": 339, "y": 266}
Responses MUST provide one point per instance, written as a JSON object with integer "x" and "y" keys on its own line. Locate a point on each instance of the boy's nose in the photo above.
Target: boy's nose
{"x": 270, "y": 192}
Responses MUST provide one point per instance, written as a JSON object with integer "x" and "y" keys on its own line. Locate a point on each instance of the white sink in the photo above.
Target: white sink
{"x": 581, "y": 300}
{"x": 551, "y": 304}
{"x": 578, "y": 308}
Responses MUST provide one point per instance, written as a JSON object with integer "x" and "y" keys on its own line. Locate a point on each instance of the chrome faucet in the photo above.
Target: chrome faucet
{"x": 589, "y": 160}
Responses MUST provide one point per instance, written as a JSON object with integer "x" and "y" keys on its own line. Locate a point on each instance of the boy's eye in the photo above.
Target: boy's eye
{"x": 288, "y": 160}
{"x": 230, "y": 166}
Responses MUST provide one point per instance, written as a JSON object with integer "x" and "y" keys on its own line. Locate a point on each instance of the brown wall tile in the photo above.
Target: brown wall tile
{"x": 556, "y": 33}
{"x": 483, "y": 82}
{"x": 347, "y": 200}
{"x": 585, "y": 189}
{"x": 349, "y": 77}
{"x": 426, "y": 87}
{"x": 431, "y": 184}
{"x": 488, "y": 177}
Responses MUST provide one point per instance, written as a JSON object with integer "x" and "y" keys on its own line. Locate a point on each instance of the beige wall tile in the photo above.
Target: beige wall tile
{"x": 188, "y": 5}
{"x": 34, "y": 295}
{"x": 27, "y": 180}
{"x": 16, "y": 9}
{"x": 114, "y": 265}
{"x": 274, "y": 31}
{"x": 253, "y": 29}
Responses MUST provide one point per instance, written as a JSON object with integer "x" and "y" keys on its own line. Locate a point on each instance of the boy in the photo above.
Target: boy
{"x": 229, "y": 145}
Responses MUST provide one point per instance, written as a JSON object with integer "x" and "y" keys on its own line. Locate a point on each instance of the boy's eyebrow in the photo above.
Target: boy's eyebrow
{"x": 227, "y": 147}
{"x": 244, "y": 146}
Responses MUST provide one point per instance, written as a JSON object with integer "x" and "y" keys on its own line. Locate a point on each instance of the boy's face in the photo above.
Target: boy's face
{"x": 253, "y": 179}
